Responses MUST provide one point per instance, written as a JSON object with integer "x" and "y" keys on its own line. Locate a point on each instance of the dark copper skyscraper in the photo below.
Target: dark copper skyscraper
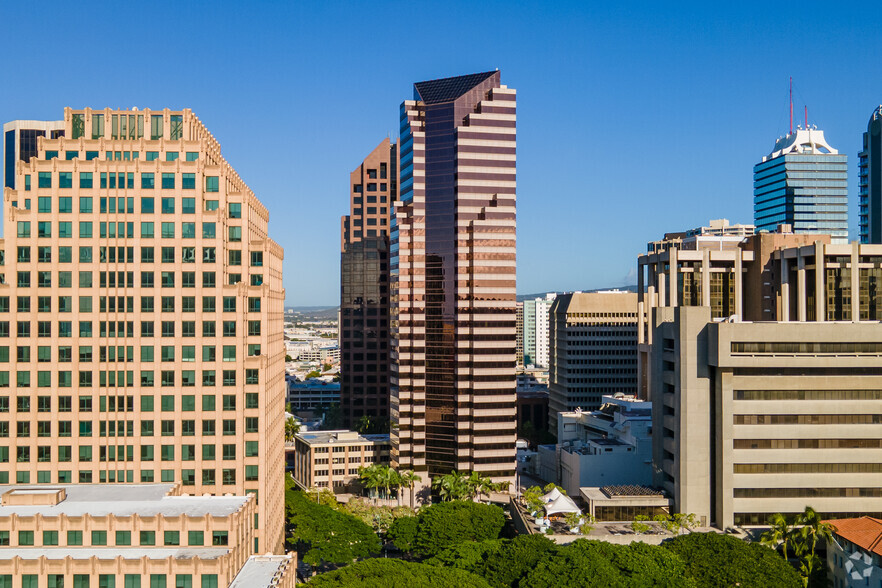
{"x": 364, "y": 287}
{"x": 453, "y": 278}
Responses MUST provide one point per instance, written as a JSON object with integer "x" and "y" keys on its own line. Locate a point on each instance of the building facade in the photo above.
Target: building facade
{"x": 535, "y": 340}
{"x": 312, "y": 394}
{"x": 519, "y": 334}
{"x": 870, "y": 181}
{"x": 453, "y": 270}
{"x": 146, "y": 344}
{"x": 364, "y": 286}
{"x": 331, "y": 459}
{"x": 733, "y": 274}
{"x": 593, "y": 350}
{"x": 766, "y": 417}
{"x": 20, "y": 143}
{"x": 128, "y": 535}
{"x": 803, "y": 182}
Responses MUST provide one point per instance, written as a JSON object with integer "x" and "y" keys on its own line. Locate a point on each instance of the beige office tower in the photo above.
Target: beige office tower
{"x": 453, "y": 275}
{"x": 592, "y": 350}
{"x": 141, "y": 325}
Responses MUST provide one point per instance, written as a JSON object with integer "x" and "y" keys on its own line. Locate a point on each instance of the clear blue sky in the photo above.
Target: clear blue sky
{"x": 633, "y": 118}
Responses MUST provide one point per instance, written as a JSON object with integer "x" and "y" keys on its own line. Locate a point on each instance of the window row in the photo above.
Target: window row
{"x": 127, "y": 255}
{"x": 126, "y": 379}
{"x": 124, "y": 205}
{"x": 65, "y": 330}
{"x": 126, "y": 453}
{"x": 121, "y": 155}
{"x": 126, "y": 403}
{"x": 187, "y": 428}
{"x": 121, "y": 538}
{"x": 126, "y": 230}
{"x": 119, "y": 180}
{"x": 109, "y": 580}
{"x": 127, "y": 279}
{"x": 64, "y": 304}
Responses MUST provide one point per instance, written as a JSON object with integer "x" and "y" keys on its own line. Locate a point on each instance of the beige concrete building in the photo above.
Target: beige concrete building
{"x": 331, "y": 459}
{"x": 593, "y": 350}
{"x": 141, "y": 310}
{"x": 756, "y": 418}
{"x": 723, "y": 267}
{"x": 130, "y": 535}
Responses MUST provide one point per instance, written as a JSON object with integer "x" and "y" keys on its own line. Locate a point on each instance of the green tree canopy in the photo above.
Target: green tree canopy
{"x": 396, "y": 573}
{"x": 448, "y": 523}
{"x": 403, "y": 532}
{"x": 327, "y": 535}
{"x": 714, "y": 560}
{"x": 590, "y": 564}
{"x": 514, "y": 559}
{"x": 469, "y": 556}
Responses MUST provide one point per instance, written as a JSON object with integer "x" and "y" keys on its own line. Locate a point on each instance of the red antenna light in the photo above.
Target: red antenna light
{"x": 791, "y": 104}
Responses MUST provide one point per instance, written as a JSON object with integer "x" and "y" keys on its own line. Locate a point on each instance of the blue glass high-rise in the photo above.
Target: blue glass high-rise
{"x": 803, "y": 182}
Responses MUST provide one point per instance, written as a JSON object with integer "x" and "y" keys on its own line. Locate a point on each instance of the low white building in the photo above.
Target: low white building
{"x": 605, "y": 447}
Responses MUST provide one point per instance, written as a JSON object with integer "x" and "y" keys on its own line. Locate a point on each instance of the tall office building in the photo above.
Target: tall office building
{"x": 364, "y": 287}
{"x": 519, "y": 333}
{"x": 20, "y": 143}
{"x": 803, "y": 182}
{"x": 535, "y": 332}
{"x": 146, "y": 340}
{"x": 453, "y": 272}
{"x": 593, "y": 350}
{"x": 870, "y": 184}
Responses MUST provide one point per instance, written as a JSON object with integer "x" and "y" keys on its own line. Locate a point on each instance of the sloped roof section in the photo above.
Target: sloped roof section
{"x": 448, "y": 89}
{"x": 865, "y": 532}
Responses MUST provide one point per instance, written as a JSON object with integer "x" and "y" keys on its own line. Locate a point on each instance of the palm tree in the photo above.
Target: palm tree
{"x": 452, "y": 486}
{"x": 817, "y": 528}
{"x": 292, "y": 427}
{"x": 476, "y": 484}
{"x": 779, "y": 533}
{"x": 388, "y": 479}
{"x": 370, "y": 478}
{"x": 813, "y": 528}
{"x": 408, "y": 480}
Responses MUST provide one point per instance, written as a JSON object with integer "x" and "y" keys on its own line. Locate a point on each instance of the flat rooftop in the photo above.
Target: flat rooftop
{"x": 121, "y": 500}
{"x": 262, "y": 571}
{"x": 331, "y": 437}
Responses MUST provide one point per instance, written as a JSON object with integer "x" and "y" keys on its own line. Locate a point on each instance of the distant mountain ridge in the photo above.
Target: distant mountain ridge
{"x": 522, "y": 297}
{"x": 329, "y": 311}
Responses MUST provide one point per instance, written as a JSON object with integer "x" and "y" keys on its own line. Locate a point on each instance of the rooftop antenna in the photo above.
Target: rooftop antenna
{"x": 791, "y": 105}
{"x": 806, "y": 116}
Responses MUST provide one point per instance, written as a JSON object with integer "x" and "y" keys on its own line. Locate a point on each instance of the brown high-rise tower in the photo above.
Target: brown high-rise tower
{"x": 364, "y": 288}
{"x": 453, "y": 278}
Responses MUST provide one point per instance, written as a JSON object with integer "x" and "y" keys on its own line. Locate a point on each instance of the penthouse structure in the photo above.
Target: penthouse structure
{"x": 20, "y": 143}
{"x": 364, "y": 286}
{"x": 146, "y": 344}
{"x": 593, "y": 350}
{"x": 453, "y": 270}
{"x": 725, "y": 268}
{"x": 803, "y": 182}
